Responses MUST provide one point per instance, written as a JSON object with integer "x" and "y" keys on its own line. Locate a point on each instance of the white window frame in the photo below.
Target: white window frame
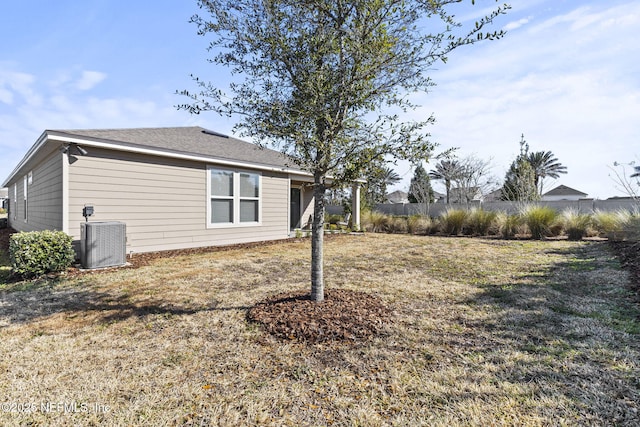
{"x": 235, "y": 197}
{"x": 26, "y": 199}
{"x": 15, "y": 201}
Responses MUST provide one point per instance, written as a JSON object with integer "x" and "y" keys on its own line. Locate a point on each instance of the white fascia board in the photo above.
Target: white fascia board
{"x": 45, "y": 137}
{"x": 197, "y": 158}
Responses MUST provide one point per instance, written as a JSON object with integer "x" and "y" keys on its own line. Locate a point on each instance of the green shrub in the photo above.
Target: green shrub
{"x": 453, "y": 221}
{"x": 479, "y": 221}
{"x": 419, "y": 224}
{"x": 333, "y": 219}
{"x": 39, "y": 252}
{"x": 539, "y": 220}
{"x": 575, "y": 224}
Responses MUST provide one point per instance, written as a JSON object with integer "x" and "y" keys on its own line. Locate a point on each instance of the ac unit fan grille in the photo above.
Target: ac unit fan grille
{"x": 103, "y": 244}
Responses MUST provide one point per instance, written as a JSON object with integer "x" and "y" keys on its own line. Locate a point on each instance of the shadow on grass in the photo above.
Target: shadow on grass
{"x": 29, "y": 301}
{"x": 574, "y": 326}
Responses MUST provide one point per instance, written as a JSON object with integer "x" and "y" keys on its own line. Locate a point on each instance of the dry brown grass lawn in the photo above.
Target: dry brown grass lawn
{"x": 485, "y": 332}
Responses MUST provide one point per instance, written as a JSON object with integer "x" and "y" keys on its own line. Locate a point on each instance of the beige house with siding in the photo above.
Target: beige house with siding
{"x": 174, "y": 188}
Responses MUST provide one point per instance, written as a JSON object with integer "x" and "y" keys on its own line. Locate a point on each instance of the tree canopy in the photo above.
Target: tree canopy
{"x": 544, "y": 165}
{"x": 326, "y": 81}
{"x": 520, "y": 180}
{"x": 420, "y": 190}
{"x": 446, "y": 171}
{"x": 379, "y": 176}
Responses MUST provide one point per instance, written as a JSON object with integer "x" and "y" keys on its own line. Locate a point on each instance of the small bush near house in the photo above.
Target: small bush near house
{"x": 479, "y": 221}
{"x": 333, "y": 219}
{"x": 575, "y": 224}
{"x": 36, "y": 253}
{"x": 539, "y": 220}
{"x": 453, "y": 221}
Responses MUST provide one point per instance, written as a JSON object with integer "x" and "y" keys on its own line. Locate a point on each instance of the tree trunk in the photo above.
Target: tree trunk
{"x": 317, "y": 242}
{"x": 447, "y": 185}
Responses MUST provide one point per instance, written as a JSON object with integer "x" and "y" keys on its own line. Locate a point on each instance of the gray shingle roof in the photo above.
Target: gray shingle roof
{"x": 185, "y": 140}
{"x": 563, "y": 190}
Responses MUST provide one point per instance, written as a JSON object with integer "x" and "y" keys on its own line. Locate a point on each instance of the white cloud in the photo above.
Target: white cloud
{"x": 90, "y": 79}
{"x": 6, "y": 96}
{"x": 14, "y": 85}
{"x": 517, "y": 24}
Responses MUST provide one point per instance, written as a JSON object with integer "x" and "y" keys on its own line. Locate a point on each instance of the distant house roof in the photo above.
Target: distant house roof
{"x": 194, "y": 143}
{"x": 563, "y": 190}
{"x": 4, "y": 193}
{"x": 494, "y": 196}
{"x": 398, "y": 196}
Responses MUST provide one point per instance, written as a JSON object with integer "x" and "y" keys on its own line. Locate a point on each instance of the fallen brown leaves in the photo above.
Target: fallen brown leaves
{"x": 344, "y": 315}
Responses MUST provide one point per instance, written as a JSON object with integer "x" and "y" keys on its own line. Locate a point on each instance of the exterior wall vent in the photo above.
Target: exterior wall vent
{"x": 103, "y": 244}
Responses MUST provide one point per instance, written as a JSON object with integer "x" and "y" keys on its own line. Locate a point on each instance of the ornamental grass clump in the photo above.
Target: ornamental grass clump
{"x": 508, "y": 225}
{"x": 36, "y": 253}
{"x": 419, "y": 224}
{"x": 479, "y": 222}
{"x": 575, "y": 224}
{"x": 453, "y": 221}
{"x": 397, "y": 225}
{"x": 611, "y": 224}
{"x": 631, "y": 227}
{"x": 375, "y": 222}
{"x": 539, "y": 220}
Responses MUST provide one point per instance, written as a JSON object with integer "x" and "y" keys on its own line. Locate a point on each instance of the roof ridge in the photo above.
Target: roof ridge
{"x": 125, "y": 129}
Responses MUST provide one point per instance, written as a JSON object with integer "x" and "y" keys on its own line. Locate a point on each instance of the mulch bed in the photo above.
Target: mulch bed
{"x": 5, "y": 233}
{"x": 344, "y": 315}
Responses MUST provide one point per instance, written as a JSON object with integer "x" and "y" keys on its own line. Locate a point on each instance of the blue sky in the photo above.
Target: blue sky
{"x": 567, "y": 75}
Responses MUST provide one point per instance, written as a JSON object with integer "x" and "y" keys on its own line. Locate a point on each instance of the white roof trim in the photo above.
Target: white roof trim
{"x": 45, "y": 137}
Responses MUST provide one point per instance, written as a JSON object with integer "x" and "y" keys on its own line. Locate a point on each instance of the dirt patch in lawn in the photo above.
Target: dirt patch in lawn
{"x": 629, "y": 255}
{"x": 344, "y": 315}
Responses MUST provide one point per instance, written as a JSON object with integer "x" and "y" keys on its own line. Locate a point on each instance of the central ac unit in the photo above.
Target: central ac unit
{"x": 103, "y": 244}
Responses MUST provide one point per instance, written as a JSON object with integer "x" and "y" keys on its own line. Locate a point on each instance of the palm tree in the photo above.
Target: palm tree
{"x": 544, "y": 165}
{"x": 379, "y": 177}
{"x": 390, "y": 176}
{"x": 447, "y": 171}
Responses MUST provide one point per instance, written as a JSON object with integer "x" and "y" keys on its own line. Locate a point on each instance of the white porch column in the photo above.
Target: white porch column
{"x": 355, "y": 205}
